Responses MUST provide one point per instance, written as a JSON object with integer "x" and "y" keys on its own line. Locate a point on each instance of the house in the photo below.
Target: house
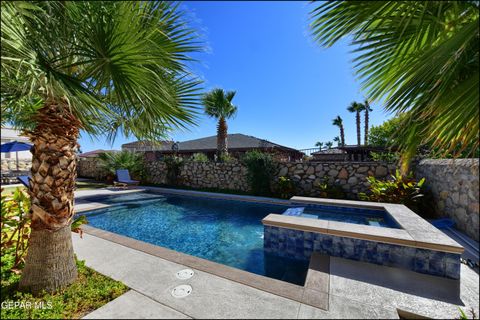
{"x": 347, "y": 153}
{"x": 238, "y": 144}
{"x": 94, "y": 153}
{"x": 9, "y": 135}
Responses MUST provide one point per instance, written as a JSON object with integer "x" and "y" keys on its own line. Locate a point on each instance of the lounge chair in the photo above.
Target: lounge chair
{"x": 25, "y": 180}
{"x": 123, "y": 179}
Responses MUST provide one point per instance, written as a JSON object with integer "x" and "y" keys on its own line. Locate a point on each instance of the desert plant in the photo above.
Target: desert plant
{"x": 103, "y": 67}
{"x": 285, "y": 187}
{"x": 328, "y": 190}
{"x": 113, "y": 161}
{"x": 338, "y": 121}
{"x": 398, "y": 188}
{"x": 260, "y": 170}
{"x": 199, "y": 157}
{"x": 218, "y": 104}
{"x": 421, "y": 58}
{"x": 174, "y": 165}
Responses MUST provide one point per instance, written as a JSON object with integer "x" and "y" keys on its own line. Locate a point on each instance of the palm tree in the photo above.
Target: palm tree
{"x": 337, "y": 140}
{"x": 319, "y": 145}
{"x": 103, "y": 67}
{"x": 367, "y": 118}
{"x": 338, "y": 121}
{"x": 421, "y": 58}
{"x": 329, "y": 144}
{"x": 218, "y": 105}
{"x": 356, "y": 108}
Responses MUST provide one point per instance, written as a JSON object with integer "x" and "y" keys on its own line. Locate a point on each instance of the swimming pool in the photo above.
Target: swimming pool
{"x": 229, "y": 232}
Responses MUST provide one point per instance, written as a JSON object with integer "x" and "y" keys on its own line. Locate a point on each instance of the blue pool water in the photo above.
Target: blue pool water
{"x": 225, "y": 231}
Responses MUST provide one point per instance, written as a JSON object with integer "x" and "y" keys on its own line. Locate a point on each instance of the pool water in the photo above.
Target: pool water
{"x": 225, "y": 231}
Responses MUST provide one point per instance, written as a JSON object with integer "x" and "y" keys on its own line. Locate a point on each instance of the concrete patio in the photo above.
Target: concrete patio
{"x": 355, "y": 290}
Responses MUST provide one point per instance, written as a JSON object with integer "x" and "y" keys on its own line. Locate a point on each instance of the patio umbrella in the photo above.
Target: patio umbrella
{"x": 15, "y": 146}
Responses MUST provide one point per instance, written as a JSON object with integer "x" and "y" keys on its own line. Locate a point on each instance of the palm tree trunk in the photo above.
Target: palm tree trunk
{"x": 342, "y": 135}
{"x": 366, "y": 125}
{"x": 222, "y": 129}
{"x": 50, "y": 263}
{"x": 358, "y": 129}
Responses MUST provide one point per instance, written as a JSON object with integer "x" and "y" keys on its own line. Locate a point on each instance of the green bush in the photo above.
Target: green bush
{"x": 389, "y": 157}
{"x": 199, "y": 157}
{"x": 285, "y": 187}
{"x": 260, "y": 170}
{"x": 174, "y": 165}
{"x": 225, "y": 157}
{"x": 328, "y": 190}
{"x": 396, "y": 189}
{"x": 113, "y": 161}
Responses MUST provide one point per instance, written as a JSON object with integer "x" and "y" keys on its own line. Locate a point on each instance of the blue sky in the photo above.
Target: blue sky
{"x": 288, "y": 88}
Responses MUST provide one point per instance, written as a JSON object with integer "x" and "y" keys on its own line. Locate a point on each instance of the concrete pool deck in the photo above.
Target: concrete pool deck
{"x": 349, "y": 289}
{"x": 355, "y": 290}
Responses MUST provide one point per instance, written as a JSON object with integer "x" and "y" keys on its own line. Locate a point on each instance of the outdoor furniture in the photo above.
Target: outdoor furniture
{"x": 123, "y": 179}
{"x": 24, "y": 180}
{"x": 15, "y": 146}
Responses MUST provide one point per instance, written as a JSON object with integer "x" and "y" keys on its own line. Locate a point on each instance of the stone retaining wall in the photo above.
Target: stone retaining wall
{"x": 454, "y": 185}
{"x": 351, "y": 177}
{"x": 90, "y": 168}
{"x": 11, "y": 164}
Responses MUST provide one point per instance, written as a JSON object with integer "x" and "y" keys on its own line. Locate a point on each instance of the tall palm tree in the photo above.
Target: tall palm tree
{"x": 329, "y": 144}
{"x": 319, "y": 145}
{"x": 421, "y": 58}
{"x": 337, "y": 140}
{"x": 338, "y": 121}
{"x": 356, "y": 108}
{"x": 103, "y": 67}
{"x": 218, "y": 105}
{"x": 367, "y": 110}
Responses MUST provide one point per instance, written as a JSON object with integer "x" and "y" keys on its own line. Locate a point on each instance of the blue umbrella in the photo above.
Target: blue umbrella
{"x": 15, "y": 146}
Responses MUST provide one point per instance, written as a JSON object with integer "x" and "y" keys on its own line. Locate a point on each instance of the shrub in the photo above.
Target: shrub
{"x": 113, "y": 161}
{"x": 199, "y": 157}
{"x": 285, "y": 187}
{"x": 225, "y": 157}
{"x": 398, "y": 189}
{"x": 328, "y": 190}
{"x": 261, "y": 168}
{"x": 15, "y": 227}
{"x": 389, "y": 157}
{"x": 174, "y": 165}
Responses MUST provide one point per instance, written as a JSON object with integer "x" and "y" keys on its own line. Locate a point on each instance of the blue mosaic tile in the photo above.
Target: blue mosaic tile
{"x": 452, "y": 270}
{"x": 299, "y": 245}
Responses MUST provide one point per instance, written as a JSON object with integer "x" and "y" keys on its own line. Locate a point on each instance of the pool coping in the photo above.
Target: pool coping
{"x": 416, "y": 232}
{"x": 314, "y": 292}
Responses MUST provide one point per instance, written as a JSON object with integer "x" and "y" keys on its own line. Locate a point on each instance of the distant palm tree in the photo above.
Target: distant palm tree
{"x": 419, "y": 57}
{"x": 338, "y": 121}
{"x": 319, "y": 145}
{"x": 218, "y": 105}
{"x": 356, "y": 108}
{"x": 367, "y": 111}
{"x": 329, "y": 144}
{"x": 337, "y": 140}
